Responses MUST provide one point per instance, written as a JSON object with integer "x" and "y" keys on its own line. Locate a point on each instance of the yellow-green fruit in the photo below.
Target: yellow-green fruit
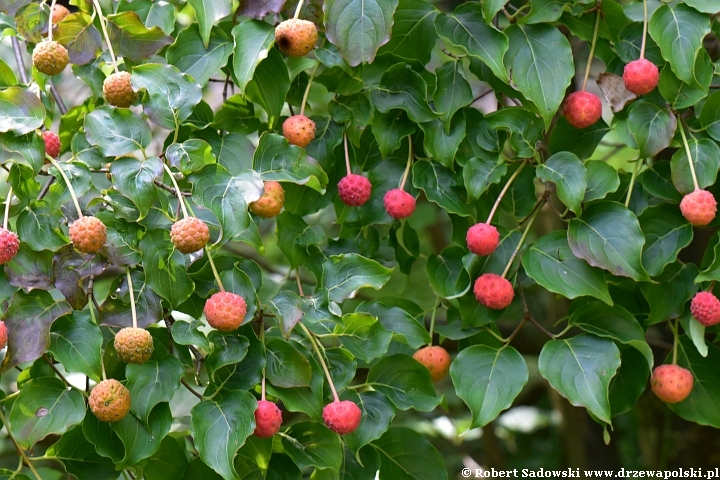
{"x": 118, "y": 90}
{"x": 50, "y": 58}
{"x": 134, "y": 345}
{"x": 296, "y": 37}
{"x": 271, "y": 202}
{"x": 109, "y": 401}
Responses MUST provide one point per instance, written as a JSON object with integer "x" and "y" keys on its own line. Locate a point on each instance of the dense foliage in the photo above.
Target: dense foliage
{"x": 322, "y": 289}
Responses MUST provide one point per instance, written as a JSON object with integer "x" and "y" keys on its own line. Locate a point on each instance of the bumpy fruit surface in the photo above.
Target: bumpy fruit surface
{"x": 3, "y": 335}
{"x": 354, "y": 190}
{"x": 52, "y": 143}
{"x": 50, "y": 58}
{"x": 134, "y": 345}
{"x": 671, "y": 383}
{"x": 493, "y": 291}
{"x": 582, "y": 109}
{"x": 296, "y": 37}
{"x": 705, "y": 307}
{"x": 118, "y": 91}
{"x": 88, "y": 234}
{"x": 482, "y": 239}
{"x": 109, "y": 401}
{"x": 342, "y": 417}
{"x": 436, "y": 359}
{"x": 9, "y": 245}
{"x": 399, "y": 204}
{"x": 268, "y": 419}
{"x": 641, "y": 76}
{"x": 225, "y": 311}
{"x": 299, "y": 130}
{"x": 189, "y": 234}
{"x": 59, "y": 13}
{"x": 271, "y": 202}
{"x": 699, "y": 207}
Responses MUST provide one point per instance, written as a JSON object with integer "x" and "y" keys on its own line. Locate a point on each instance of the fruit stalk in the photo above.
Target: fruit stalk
{"x": 407, "y": 167}
{"x": 50, "y": 21}
{"x": 262, "y": 339}
{"x": 689, "y": 155}
{"x": 307, "y": 90}
{"x": 347, "y": 155}
{"x": 645, "y": 29}
{"x": 592, "y": 46}
{"x": 178, "y": 193}
{"x": 322, "y": 360}
{"x": 69, "y": 185}
{"x": 298, "y": 8}
{"x": 214, "y": 270}
{"x": 98, "y": 10}
{"x": 432, "y": 319}
{"x": 632, "y": 182}
{"x": 504, "y": 191}
{"x": 7, "y": 208}
{"x": 132, "y": 297}
{"x": 675, "y": 341}
{"x": 524, "y": 236}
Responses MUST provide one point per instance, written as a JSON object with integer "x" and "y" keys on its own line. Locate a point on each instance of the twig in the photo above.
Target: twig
{"x": 19, "y": 59}
{"x": 56, "y": 95}
{"x": 46, "y": 187}
{"x": 190, "y": 389}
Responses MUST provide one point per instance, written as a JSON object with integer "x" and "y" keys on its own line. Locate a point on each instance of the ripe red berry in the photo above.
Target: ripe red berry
{"x": 671, "y": 383}
{"x": 641, "y": 76}
{"x": 482, "y": 239}
{"x": 354, "y": 190}
{"x": 399, "y": 204}
{"x": 9, "y": 245}
{"x": 268, "y": 419}
{"x": 493, "y": 291}
{"x": 342, "y": 417}
{"x": 705, "y": 307}
{"x": 3, "y": 335}
{"x": 582, "y": 109}
{"x": 189, "y": 235}
{"x": 225, "y": 311}
{"x": 436, "y": 359}
{"x": 299, "y": 130}
{"x": 52, "y": 143}
{"x": 699, "y": 207}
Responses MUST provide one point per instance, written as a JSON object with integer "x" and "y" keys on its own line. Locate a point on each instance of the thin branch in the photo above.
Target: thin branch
{"x": 19, "y": 59}
{"x": 58, "y": 99}
{"x": 46, "y": 187}
{"x": 190, "y": 389}
{"x": 171, "y": 189}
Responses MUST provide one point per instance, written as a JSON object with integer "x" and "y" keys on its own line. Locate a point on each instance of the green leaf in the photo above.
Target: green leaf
{"x": 270, "y": 84}
{"x": 405, "y": 382}
{"x": 402, "y": 88}
{"x": 312, "y": 444}
{"x": 701, "y": 406}
{"x": 80, "y": 37}
{"x": 141, "y": 441}
{"x": 601, "y": 178}
{"x": 253, "y": 40}
{"x": 377, "y": 414}
{"x": 20, "y": 111}
{"x": 295, "y": 237}
{"x": 413, "y": 31}
{"x": 539, "y": 62}
{"x": 524, "y": 127}
{"x": 79, "y": 458}
{"x": 275, "y": 159}
{"x": 488, "y": 380}
{"x": 151, "y": 383}
{"x": 76, "y": 342}
{"x": 629, "y": 383}
{"x": 208, "y": 13}
{"x": 190, "y": 156}
{"x": 28, "y": 320}
{"x": 190, "y": 55}
{"x": 344, "y": 274}
{"x": 614, "y": 322}
{"x": 443, "y": 146}
{"x": 569, "y": 174}
{"x": 286, "y": 367}
{"x": 550, "y": 262}
{"x": 407, "y": 455}
{"x": 446, "y": 273}
{"x": 479, "y": 174}
{"x": 134, "y": 179}
{"x": 171, "y": 94}
{"x": 219, "y": 428}
{"x": 705, "y": 6}
{"x": 400, "y": 317}
{"x": 390, "y": 128}
{"x": 705, "y": 156}
{"x": 287, "y": 307}
{"x": 358, "y": 27}
{"x": 154, "y": 14}
{"x": 608, "y": 235}
{"x": 188, "y": 333}
{"x": 116, "y": 131}
{"x": 657, "y": 182}
{"x": 679, "y": 32}
{"x": 40, "y": 230}
{"x": 581, "y": 142}
{"x": 442, "y": 186}
{"x": 363, "y": 335}
{"x": 580, "y": 369}
{"x": 165, "y": 268}
{"x": 709, "y": 117}
{"x": 453, "y": 91}
{"x": 132, "y": 39}
{"x": 45, "y": 406}
{"x": 650, "y": 129}
{"x": 228, "y": 349}
{"x": 168, "y": 462}
{"x": 467, "y": 30}
{"x": 668, "y": 297}
{"x": 666, "y": 234}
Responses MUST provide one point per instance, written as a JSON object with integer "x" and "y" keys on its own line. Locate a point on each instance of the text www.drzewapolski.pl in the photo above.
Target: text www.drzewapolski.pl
{"x": 577, "y": 473}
